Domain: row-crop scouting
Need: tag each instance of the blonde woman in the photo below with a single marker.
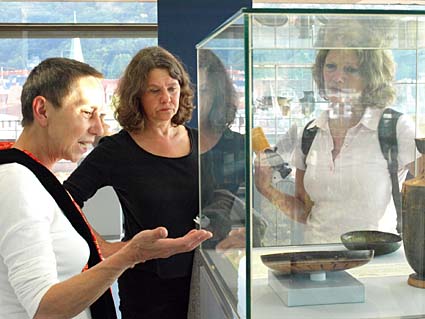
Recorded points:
(343, 182)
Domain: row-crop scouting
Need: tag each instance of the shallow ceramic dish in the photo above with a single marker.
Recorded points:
(316, 261)
(382, 243)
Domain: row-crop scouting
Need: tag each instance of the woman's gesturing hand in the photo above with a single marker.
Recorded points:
(152, 244)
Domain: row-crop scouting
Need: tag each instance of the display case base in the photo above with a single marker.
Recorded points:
(300, 290)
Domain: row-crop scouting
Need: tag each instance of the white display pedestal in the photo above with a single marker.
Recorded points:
(300, 290)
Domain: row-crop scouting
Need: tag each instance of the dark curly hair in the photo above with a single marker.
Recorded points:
(128, 107)
(224, 104)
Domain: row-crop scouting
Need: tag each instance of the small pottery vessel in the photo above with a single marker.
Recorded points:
(413, 217)
(284, 105)
(307, 103)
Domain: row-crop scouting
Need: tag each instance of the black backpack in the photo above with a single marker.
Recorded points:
(387, 134)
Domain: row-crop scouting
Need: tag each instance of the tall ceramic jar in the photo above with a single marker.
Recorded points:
(413, 221)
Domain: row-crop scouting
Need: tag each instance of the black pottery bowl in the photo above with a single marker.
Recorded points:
(381, 242)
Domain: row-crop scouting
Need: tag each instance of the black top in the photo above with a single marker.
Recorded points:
(223, 166)
(153, 191)
(222, 176)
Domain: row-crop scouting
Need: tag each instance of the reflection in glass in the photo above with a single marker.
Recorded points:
(334, 191)
(223, 157)
(222, 171)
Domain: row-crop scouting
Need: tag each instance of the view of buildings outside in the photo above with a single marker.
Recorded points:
(109, 53)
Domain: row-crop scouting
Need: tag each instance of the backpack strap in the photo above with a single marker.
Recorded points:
(387, 134)
(308, 137)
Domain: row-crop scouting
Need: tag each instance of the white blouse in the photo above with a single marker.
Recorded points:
(38, 245)
(352, 192)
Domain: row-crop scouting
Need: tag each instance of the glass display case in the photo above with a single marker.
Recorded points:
(307, 126)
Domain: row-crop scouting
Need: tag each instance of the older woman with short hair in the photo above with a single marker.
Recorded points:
(50, 262)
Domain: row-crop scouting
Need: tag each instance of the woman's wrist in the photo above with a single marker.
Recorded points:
(269, 192)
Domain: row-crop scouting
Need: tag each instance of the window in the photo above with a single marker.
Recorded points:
(105, 35)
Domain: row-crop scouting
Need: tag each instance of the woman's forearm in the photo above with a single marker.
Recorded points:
(290, 205)
(70, 297)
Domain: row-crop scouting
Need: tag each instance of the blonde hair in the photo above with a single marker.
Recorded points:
(377, 70)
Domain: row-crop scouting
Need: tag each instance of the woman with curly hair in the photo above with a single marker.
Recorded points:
(152, 166)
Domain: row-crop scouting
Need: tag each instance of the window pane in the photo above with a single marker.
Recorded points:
(85, 12)
(109, 54)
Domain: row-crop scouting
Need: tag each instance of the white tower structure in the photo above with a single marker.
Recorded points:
(76, 51)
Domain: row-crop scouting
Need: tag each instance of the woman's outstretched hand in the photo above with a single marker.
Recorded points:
(152, 244)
